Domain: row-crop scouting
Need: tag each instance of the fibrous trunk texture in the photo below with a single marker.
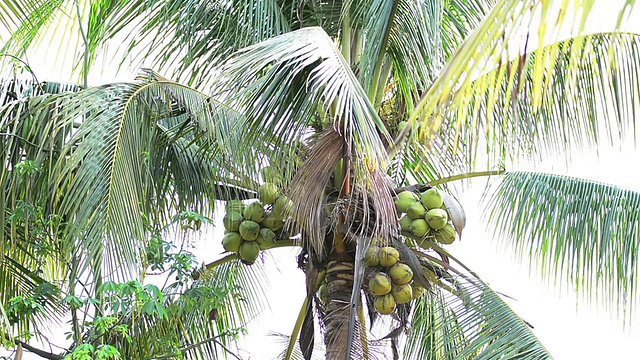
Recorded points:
(339, 285)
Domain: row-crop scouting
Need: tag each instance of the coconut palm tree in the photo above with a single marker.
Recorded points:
(347, 104)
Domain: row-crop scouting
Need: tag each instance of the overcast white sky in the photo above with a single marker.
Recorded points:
(569, 331)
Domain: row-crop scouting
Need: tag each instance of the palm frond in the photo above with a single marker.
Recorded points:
(574, 230)
(286, 82)
(467, 319)
(487, 49)
(590, 97)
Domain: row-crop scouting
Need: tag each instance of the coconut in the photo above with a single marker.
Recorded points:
(248, 252)
(446, 235)
(234, 206)
(372, 256)
(282, 207)
(405, 199)
(268, 193)
(231, 241)
(323, 293)
(436, 218)
(271, 174)
(380, 284)
(254, 212)
(400, 273)
(232, 221)
(266, 239)
(431, 199)
(416, 210)
(271, 222)
(419, 228)
(405, 223)
(249, 230)
(388, 256)
(385, 304)
(417, 290)
(402, 293)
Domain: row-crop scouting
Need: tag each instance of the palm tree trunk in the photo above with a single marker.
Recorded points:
(339, 285)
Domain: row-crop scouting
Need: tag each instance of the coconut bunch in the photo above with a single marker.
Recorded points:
(251, 227)
(390, 280)
(424, 217)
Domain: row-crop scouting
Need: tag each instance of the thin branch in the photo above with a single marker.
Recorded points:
(39, 352)
(425, 187)
(194, 345)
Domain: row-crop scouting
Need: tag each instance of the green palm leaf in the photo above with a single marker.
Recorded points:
(467, 319)
(586, 232)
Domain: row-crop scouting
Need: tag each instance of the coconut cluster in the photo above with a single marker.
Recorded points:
(251, 227)
(425, 217)
(391, 281)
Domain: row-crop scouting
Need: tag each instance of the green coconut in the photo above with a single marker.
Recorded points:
(416, 210)
(231, 241)
(266, 239)
(271, 223)
(405, 223)
(372, 256)
(268, 193)
(400, 273)
(282, 207)
(248, 252)
(436, 218)
(388, 256)
(446, 235)
(249, 230)
(402, 293)
(405, 199)
(254, 212)
(232, 221)
(234, 206)
(419, 228)
(431, 199)
(380, 284)
(385, 304)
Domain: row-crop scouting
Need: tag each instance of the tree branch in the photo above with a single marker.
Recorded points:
(39, 352)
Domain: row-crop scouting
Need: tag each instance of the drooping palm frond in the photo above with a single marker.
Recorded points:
(451, 94)
(590, 97)
(464, 319)
(285, 83)
(586, 232)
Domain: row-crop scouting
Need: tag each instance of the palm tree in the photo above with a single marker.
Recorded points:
(349, 103)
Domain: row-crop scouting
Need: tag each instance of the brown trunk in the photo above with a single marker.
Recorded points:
(339, 285)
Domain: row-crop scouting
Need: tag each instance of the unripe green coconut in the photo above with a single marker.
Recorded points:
(380, 284)
(234, 206)
(400, 273)
(405, 223)
(266, 239)
(416, 210)
(323, 293)
(249, 230)
(388, 256)
(248, 252)
(402, 293)
(419, 228)
(282, 207)
(372, 256)
(431, 199)
(385, 304)
(271, 222)
(405, 199)
(268, 193)
(446, 235)
(254, 212)
(231, 241)
(271, 174)
(417, 290)
(436, 218)
(232, 221)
